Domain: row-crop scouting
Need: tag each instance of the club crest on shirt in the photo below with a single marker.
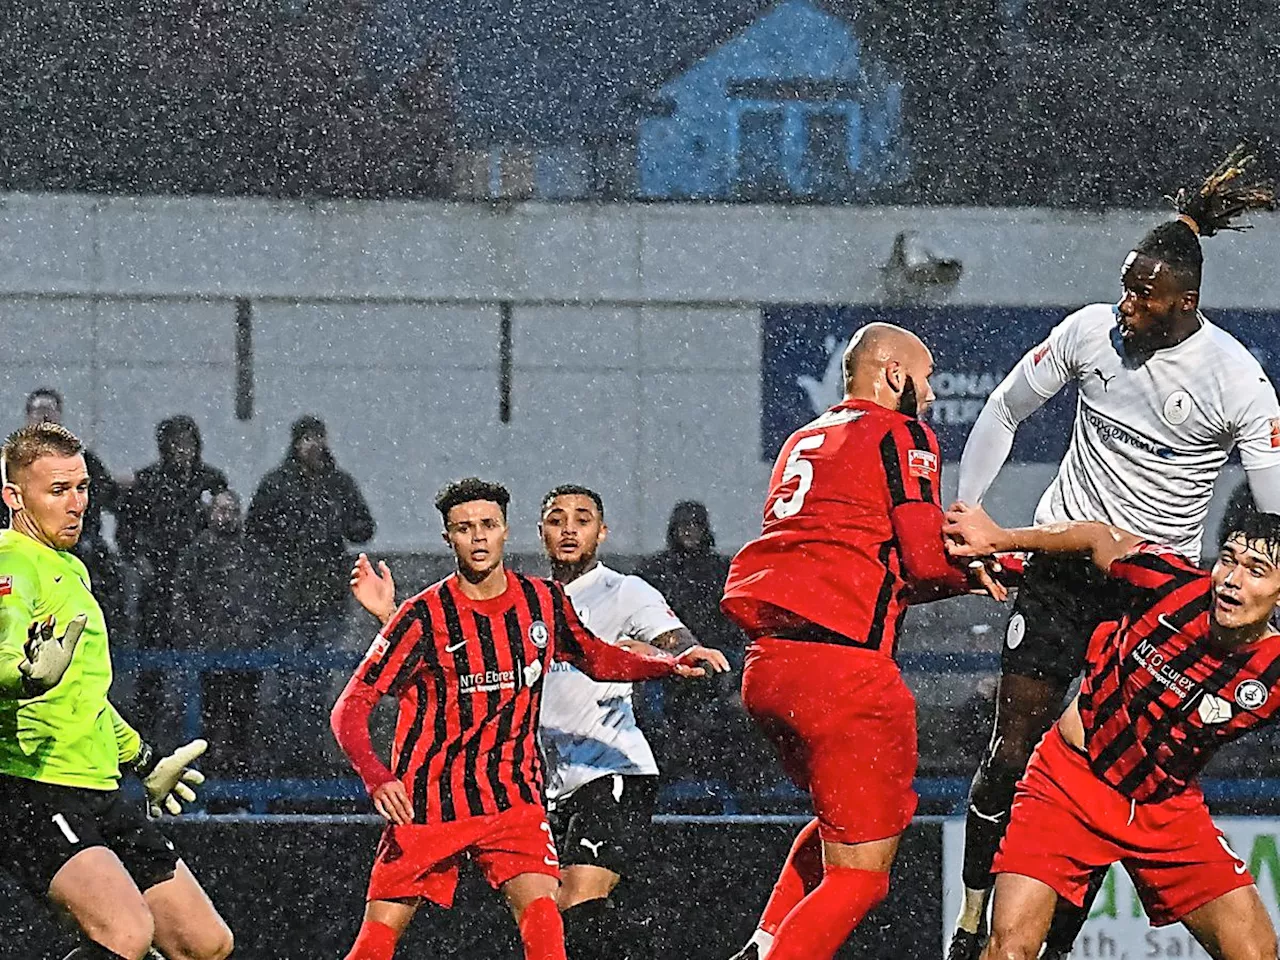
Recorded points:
(1016, 630)
(1251, 694)
(1214, 709)
(6, 585)
(538, 634)
(922, 464)
(1177, 407)
(377, 649)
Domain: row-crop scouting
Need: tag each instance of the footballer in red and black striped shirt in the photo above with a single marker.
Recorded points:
(466, 660)
(852, 532)
(1193, 664)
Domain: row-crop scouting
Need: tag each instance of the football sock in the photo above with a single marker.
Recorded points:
(376, 941)
(823, 920)
(800, 875)
(972, 909)
(588, 930)
(1068, 919)
(542, 931)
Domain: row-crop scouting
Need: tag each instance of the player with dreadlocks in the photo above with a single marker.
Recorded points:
(1164, 395)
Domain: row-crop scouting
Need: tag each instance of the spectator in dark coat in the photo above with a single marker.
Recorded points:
(216, 609)
(705, 734)
(44, 405)
(164, 512)
(300, 521)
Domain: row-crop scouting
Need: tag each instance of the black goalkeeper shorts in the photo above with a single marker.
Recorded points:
(43, 826)
(1060, 603)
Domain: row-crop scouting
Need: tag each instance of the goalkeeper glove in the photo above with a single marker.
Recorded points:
(169, 779)
(46, 657)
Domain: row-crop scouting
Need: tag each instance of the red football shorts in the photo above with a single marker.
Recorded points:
(1066, 823)
(422, 860)
(844, 724)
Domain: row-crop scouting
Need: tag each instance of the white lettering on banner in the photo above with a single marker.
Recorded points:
(1117, 928)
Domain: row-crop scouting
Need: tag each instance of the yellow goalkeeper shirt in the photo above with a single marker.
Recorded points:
(70, 735)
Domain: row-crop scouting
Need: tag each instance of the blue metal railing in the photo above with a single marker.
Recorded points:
(184, 669)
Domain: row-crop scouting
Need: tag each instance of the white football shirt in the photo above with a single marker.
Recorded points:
(1150, 437)
(588, 729)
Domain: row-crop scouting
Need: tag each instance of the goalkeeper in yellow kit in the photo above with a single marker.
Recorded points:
(66, 831)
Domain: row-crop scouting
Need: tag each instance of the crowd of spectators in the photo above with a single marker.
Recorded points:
(184, 567)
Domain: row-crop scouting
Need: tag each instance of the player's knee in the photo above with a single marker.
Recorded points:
(214, 942)
(1263, 947)
(995, 783)
(128, 932)
(1008, 943)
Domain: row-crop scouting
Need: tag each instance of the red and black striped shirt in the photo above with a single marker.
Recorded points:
(1158, 699)
(468, 676)
(853, 504)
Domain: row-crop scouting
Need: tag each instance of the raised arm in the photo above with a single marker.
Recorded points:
(1257, 435)
(1041, 373)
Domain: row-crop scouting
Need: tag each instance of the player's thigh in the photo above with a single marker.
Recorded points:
(606, 823)
(187, 926)
(517, 855)
(580, 882)
(524, 888)
(1020, 916)
(1025, 709)
(1234, 926)
(96, 890)
(1061, 602)
(876, 856)
(396, 914)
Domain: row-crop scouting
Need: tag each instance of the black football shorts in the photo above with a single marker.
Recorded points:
(1059, 604)
(42, 826)
(605, 823)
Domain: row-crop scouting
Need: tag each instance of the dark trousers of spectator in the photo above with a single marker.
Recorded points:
(305, 689)
(231, 723)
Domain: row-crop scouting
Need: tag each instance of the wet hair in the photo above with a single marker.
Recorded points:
(1260, 531)
(1227, 193)
(468, 489)
(171, 430)
(306, 426)
(572, 489)
(690, 513)
(46, 393)
(28, 444)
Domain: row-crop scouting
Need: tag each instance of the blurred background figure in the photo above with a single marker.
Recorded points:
(163, 513)
(45, 405)
(301, 519)
(691, 574)
(216, 609)
(159, 517)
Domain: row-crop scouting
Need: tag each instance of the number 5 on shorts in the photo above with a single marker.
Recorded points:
(797, 467)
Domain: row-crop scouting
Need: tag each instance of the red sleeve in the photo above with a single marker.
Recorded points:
(393, 657)
(912, 467)
(1155, 567)
(918, 529)
(602, 661)
(350, 724)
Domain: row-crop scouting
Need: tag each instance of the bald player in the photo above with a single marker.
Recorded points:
(852, 534)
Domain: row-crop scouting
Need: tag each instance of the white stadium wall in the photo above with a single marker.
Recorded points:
(635, 337)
